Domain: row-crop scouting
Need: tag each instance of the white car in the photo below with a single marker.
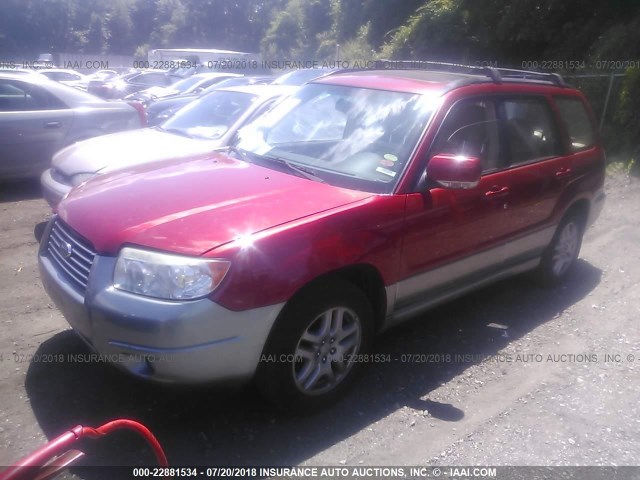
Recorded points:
(193, 84)
(204, 125)
(67, 77)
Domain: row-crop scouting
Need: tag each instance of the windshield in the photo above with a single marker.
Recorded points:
(211, 116)
(353, 137)
(229, 82)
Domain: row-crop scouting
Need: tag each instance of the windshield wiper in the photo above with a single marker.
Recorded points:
(243, 154)
(299, 170)
(295, 168)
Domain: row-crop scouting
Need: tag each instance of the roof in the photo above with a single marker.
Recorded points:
(59, 70)
(27, 78)
(19, 71)
(262, 90)
(421, 81)
(412, 81)
(204, 75)
(71, 96)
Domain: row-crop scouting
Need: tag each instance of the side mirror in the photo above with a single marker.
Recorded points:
(454, 171)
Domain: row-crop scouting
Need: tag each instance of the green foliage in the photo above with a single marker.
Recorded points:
(141, 52)
(286, 36)
(510, 33)
(358, 49)
(623, 168)
(626, 118)
(30, 27)
(436, 28)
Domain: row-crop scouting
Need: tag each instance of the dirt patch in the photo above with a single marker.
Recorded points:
(509, 375)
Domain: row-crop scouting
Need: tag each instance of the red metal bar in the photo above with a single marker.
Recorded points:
(23, 469)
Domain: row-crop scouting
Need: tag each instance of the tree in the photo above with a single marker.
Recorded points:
(285, 37)
(120, 26)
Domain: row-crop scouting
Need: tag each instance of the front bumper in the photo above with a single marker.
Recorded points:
(52, 190)
(166, 341)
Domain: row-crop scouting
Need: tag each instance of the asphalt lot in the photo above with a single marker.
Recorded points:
(513, 374)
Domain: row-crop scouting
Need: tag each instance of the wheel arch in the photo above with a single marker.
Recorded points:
(580, 208)
(363, 276)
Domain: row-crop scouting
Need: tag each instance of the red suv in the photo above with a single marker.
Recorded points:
(362, 200)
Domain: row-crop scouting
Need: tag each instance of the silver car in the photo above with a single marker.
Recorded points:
(38, 117)
(67, 77)
(200, 127)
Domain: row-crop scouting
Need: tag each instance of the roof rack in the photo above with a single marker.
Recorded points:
(497, 75)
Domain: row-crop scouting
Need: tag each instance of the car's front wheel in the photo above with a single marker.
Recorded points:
(316, 347)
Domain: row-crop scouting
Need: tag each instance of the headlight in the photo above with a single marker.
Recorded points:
(81, 178)
(167, 276)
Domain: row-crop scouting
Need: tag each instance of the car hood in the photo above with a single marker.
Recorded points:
(194, 206)
(120, 150)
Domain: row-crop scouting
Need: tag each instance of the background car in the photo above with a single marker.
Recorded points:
(102, 85)
(39, 117)
(208, 123)
(162, 109)
(194, 84)
(18, 71)
(67, 77)
(302, 76)
(102, 75)
(132, 82)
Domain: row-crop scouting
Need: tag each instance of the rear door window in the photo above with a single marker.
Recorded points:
(530, 130)
(575, 117)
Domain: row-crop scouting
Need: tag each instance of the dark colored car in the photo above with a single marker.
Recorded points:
(353, 205)
(162, 109)
(38, 117)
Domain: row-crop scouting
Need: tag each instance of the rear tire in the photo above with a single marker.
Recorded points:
(311, 358)
(561, 254)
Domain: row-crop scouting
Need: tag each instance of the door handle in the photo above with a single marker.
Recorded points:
(52, 125)
(497, 191)
(563, 172)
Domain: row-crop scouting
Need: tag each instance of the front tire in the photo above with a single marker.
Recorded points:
(312, 355)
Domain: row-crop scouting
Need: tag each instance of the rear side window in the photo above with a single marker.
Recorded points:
(577, 121)
(530, 130)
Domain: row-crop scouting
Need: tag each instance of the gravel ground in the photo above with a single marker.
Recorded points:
(510, 375)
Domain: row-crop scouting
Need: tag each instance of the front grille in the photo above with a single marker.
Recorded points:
(71, 254)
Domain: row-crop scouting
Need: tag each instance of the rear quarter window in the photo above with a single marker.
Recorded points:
(577, 121)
